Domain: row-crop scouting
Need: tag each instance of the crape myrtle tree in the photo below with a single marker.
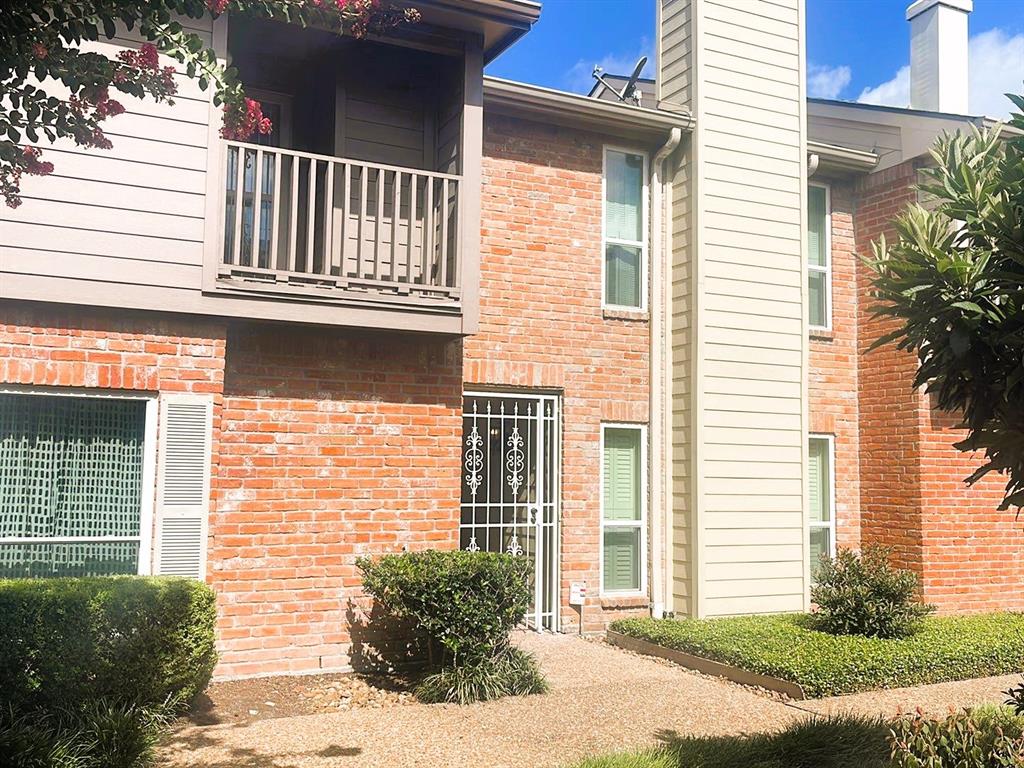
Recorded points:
(53, 85)
(953, 284)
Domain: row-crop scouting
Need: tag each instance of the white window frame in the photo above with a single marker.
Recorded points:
(827, 269)
(831, 479)
(641, 523)
(146, 503)
(642, 243)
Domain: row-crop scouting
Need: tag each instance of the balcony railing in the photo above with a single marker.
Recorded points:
(304, 224)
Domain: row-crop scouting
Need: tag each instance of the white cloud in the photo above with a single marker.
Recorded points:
(891, 93)
(997, 68)
(824, 82)
(579, 78)
(996, 63)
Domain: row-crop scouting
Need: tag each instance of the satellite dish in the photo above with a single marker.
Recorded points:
(629, 92)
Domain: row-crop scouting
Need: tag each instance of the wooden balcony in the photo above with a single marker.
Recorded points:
(327, 228)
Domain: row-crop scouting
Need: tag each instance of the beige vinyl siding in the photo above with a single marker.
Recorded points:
(674, 47)
(129, 216)
(739, 352)
(130, 227)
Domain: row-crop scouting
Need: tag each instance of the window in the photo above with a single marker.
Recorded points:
(823, 526)
(75, 485)
(625, 228)
(819, 256)
(623, 534)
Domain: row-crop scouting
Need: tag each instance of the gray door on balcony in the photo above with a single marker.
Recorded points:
(510, 487)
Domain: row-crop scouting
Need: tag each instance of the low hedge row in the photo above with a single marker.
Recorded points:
(66, 643)
(784, 646)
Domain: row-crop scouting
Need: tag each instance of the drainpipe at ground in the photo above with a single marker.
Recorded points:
(660, 410)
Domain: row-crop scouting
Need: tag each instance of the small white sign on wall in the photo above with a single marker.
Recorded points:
(577, 593)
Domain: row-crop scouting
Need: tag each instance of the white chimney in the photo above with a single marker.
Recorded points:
(938, 55)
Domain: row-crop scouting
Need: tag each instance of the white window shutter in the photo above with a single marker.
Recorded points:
(183, 484)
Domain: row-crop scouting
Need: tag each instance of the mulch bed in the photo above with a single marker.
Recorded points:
(262, 698)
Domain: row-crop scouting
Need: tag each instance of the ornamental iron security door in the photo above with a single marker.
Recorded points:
(510, 487)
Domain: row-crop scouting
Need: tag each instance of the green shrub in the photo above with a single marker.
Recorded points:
(965, 739)
(787, 646)
(1015, 699)
(67, 642)
(862, 594)
(102, 734)
(465, 604)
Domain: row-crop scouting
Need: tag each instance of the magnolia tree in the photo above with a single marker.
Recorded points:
(53, 86)
(953, 281)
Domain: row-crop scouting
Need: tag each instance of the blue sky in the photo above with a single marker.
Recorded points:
(857, 49)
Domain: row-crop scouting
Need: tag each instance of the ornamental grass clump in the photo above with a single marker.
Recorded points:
(862, 594)
(465, 605)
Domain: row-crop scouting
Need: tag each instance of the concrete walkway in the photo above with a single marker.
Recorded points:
(934, 699)
(602, 699)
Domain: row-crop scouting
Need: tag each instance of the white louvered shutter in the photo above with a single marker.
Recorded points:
(183, 484)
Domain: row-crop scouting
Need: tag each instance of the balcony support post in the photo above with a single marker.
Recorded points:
(467, 268)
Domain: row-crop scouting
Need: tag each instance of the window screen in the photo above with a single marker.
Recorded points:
(624, 228)
(70, 485)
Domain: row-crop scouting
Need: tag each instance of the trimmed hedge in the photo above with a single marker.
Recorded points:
(65, 643)
(465, 604)
(785, 646)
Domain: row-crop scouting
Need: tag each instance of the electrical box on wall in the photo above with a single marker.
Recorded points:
(577, 593)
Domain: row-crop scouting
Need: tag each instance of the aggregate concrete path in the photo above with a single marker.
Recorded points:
(601, 700)
(934, 699)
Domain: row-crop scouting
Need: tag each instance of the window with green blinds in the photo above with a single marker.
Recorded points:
(822, 525)
(818, 257)
(70, 485)
(623, 509)
(625, 228)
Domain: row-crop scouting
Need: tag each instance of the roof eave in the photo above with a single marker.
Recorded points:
(836, 158)
(570, 109)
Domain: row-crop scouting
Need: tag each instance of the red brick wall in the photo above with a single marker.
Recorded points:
(973, 553)
(542, 325)
(335, 445)
(832, 384)
(56, 345)
(968, 554)
(890, 440)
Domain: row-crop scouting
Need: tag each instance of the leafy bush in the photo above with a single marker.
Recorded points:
(789, 647)
(862, 594)
(989, 738)
(465, 604)
(839, 741)
(1015, 699)
(102, 734)
(65, 643)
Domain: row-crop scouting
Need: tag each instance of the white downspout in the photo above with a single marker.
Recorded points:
(660, 410)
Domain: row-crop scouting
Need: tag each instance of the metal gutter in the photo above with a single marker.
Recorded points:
(836, 157)
(572, 109)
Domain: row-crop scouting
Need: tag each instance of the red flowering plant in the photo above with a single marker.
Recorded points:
(53, 87)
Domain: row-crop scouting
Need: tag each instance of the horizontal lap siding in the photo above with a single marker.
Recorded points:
(751, 386)
(674, 86)
(130, 218)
